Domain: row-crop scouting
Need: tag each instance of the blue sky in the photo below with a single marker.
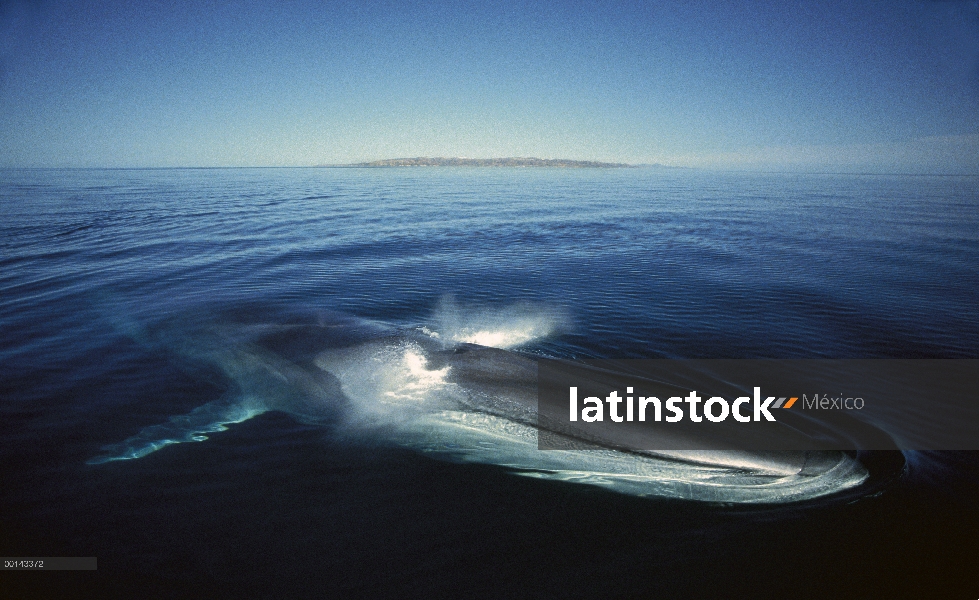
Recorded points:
(807, 85)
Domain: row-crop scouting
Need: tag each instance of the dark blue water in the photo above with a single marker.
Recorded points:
(111, 282)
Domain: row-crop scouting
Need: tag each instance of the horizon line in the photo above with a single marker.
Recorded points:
(363, 165)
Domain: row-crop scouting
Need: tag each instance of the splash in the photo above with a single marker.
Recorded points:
(416, 379)
(509, 327)
(387, 382)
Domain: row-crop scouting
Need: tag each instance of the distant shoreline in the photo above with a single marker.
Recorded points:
(491, 162)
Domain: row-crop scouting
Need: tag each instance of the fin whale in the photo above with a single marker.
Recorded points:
(453, 400)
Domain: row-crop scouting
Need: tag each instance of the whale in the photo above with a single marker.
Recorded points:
(457, 388)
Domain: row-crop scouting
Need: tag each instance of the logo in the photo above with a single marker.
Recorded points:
(638, 408)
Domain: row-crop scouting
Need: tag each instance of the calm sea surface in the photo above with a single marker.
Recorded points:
(102, 271)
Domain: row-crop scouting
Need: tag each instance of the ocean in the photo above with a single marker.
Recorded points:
(164, 408)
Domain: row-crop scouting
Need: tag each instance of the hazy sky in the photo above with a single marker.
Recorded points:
(812, 85)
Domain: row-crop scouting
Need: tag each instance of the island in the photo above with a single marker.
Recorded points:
(490, 162)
